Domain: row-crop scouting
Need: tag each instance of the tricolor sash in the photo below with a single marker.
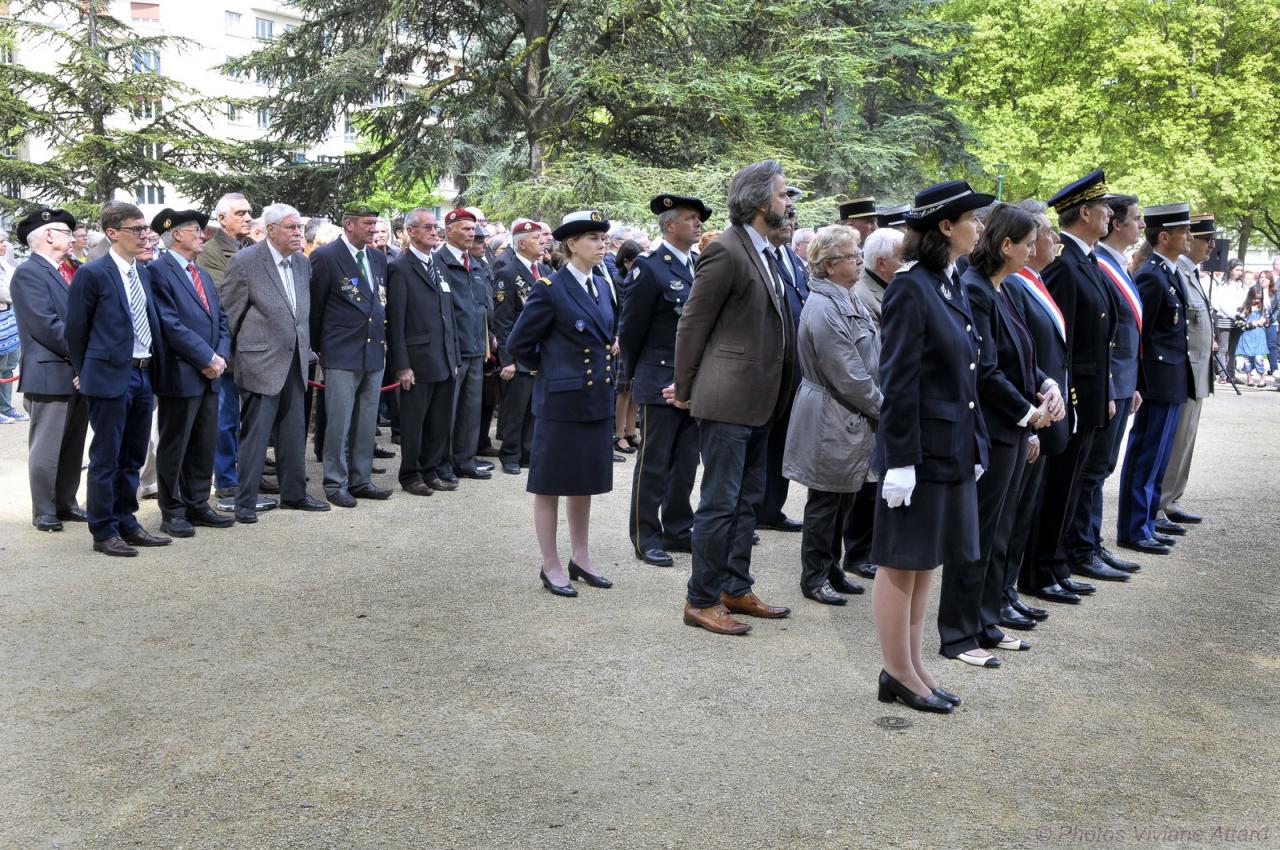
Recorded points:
(1041, 294)
(1120, 277)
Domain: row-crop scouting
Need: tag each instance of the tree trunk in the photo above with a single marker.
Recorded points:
(1246, 230)
(536, 63)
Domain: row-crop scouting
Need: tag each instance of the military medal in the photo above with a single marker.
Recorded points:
(676, 285)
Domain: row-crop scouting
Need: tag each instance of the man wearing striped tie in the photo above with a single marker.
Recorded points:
(113, 336)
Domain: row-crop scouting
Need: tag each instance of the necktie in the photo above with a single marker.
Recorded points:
(138, 309)
(195, 278)
(286, 277)
(466, 262)
(782, 267)
(688, 264)
(67, 271)
(533, 270)
(364, 269)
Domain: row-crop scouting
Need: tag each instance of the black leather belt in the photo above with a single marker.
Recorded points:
(141, 362)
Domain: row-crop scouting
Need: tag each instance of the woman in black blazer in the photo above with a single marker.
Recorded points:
(932, 443)
(1014, 396)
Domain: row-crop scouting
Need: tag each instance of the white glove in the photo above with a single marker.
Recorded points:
(898, 485)
(977, 472)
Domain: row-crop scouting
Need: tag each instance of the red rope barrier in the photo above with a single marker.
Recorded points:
(9, 380)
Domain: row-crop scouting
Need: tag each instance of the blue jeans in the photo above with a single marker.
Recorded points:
(228, 445)
(733, 483)
(1273, 347)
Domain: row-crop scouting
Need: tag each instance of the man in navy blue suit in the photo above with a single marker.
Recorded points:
(113, 336)
(197, 340)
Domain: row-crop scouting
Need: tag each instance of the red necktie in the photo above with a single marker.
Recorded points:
(533, 270)
(195, 278)
(466, 262)
(68, 271)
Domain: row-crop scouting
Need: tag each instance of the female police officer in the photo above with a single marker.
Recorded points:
(565, 331)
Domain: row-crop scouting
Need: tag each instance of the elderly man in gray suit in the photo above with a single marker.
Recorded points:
(266, 297)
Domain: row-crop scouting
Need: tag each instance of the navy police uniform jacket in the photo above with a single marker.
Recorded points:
(191, 335)
(99, 328)
(928, 373)
(1089, 311)
(1008, 378)
(654, 297)
(511, 284)
(348, 320)
(568, 338)
(1165, 370)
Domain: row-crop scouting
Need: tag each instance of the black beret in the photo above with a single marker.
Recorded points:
(168, 219)
(662, 203)
(39, 218)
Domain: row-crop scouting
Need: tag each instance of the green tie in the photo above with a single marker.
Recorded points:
(364, 270)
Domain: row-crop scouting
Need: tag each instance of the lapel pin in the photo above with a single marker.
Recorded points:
(580, 326)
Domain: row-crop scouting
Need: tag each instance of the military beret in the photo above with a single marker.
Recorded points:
(857, 208)
(39, 218)
(168, 219)
(1167, 215)
(1091, 187)
(1204, 225)
(459, 215)
(526, 226)
(583, 221)
(944, 201)
(359, 211)
(662, 203)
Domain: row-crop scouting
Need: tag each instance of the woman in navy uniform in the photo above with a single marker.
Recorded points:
(932, 443)
(565, 331)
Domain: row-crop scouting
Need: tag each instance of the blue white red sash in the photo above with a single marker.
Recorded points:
(1040, 293)
(1120, 277)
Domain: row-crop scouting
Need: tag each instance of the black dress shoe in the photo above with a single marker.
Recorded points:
(488, 451)
(448, 485)
(657, 557)
(210, 519)
(577, 573)
(511, 468)
(891, 689)
(1029, 611)
(1148, 546)
(1115, 562)
(1163, 539)
(826, 595)
(1057, 593)
(114, 546)
(47, 522)
(177, 527)
(1166, 526)
(341, 498)
(377, 470)
(248, 516)
(379, 451)
(782, 524)
(943, 694)
(271, 488)
(306, 503)
(477, 474)
(864, 570)
(1081, 587)
(141, 537)
(371, 491)
(225, 493)
(840, 584)
(417, 487)
(557, 589)
(620, 446)
(1185, 517)
(1099, 570)
(73, 515)
(484, 466)
(1011, 619)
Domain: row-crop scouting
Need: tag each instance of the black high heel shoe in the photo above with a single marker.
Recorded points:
(620, 445)
(891, 688)
(577, 573)
(942, 693)
(557, 589)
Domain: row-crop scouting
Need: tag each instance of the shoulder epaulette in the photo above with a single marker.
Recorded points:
(545, 280)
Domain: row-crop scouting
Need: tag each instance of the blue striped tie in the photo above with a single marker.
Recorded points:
(138, 307)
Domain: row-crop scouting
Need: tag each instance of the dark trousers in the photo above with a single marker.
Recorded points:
(1020, 562)
(662, 484)
(969, 589)
(859, 525)
(224, 456)
(55, 449)
(515, 419)
(260, 416)
(184, 453)
(121, 432)
(467, 392)
(1145, 462)
(490, 400)
(1061, 493)
(1228, 340)
(775, 484)
(389, 407)
(733, 459)
(1084, 531)
(822, 541)
(426, 412)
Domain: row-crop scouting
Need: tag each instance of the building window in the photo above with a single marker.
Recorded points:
(233, 113)
(298, 156)
(149, 193)
(149, 108)
(232, 23)
(145, 13)
(263, 29)
(6, 54)
(264, 118)
(348, 130)
(146, 60)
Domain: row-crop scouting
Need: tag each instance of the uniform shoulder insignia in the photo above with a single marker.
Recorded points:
(500, 296)
(666, 257)
(635, 273)
(907, 266)
(545, 280)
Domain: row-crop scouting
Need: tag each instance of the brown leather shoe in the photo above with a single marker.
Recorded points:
(441, 484)
(114, 546)
(715, 618)
(750, 604)
(141, 537)
(417, 487)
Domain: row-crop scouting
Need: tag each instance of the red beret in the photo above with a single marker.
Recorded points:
(458, 215)
(527, 227)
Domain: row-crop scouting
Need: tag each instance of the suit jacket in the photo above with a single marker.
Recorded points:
(348, 322)
(653, 299)
(420, 330)
(1124, 348)
(1052, 356)
(99, 328)
(191, 335)
(796, 285)
(216, 254)
(268, 339)
(1003, 364)
(1200, 331)
(930, 417)
(40, 305)
(471, 304)
(1165, 373)
(871, 290)
(735, 342)
(568, 338)
(512, 283)
(1090, 313)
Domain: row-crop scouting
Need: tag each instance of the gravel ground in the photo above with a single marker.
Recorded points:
(395, 677)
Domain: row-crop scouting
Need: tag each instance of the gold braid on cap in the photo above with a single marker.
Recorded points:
(1088, 193)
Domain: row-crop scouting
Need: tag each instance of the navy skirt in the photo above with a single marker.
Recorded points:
(940, 526)
(571, 458)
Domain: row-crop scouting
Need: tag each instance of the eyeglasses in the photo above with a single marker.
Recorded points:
(136, 230)
(61, 230)
(293, 228)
